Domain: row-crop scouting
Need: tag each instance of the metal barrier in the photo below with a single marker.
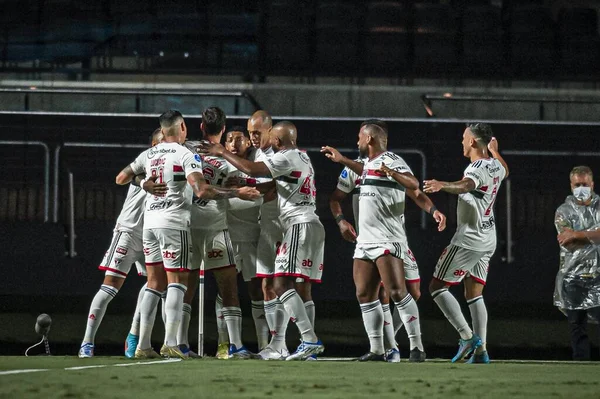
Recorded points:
(46, 168)
(136, 93)
(85, 145)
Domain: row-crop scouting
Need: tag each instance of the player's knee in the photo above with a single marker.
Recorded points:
(435, 285)
(398, 293)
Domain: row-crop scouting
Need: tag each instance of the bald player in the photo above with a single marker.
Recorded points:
(301, 252)
(259, 127)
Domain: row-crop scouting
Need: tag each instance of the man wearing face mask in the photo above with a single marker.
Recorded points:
(577, 289)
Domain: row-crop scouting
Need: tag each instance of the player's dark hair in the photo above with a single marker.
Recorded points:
(376, 124)
(155, 135)
(239, 129)
(481, 131)
(170, 118)
(213, 119)
(581, 170)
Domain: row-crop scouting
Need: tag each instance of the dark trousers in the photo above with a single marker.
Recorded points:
(580, 342)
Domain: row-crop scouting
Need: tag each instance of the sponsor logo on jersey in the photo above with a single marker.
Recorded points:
(343, 183)
(488, 224)
(215, 254)
(367, 194)
(160, 205)
(459, 273)
(169, 255)
(154, 152)
(121, 250)
(344, 174)
(197, 158)
(492, 169)
(307, 263)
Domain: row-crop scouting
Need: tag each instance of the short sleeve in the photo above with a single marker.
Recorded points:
(475, 172)
(138, 165)
(400, 166)
(346, 181)
(191, 163)
(279, 165)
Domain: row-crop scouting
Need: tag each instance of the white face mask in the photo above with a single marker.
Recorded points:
(582, 193)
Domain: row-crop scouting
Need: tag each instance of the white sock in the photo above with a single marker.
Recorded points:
(451, 309)
(233, 318)
(260, 324)
(479, 316)
(221, 325)
(409, 313)
(310, 312)
(97, 309)
(182, 331)
(389, 339)
(163, 314)
(295, 308)
(173, 312)
(280, 319)
(372, 315)
(135, 324)
(397, 320)
(148, 309)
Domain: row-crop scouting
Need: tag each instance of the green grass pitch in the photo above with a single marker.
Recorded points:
(122, 378)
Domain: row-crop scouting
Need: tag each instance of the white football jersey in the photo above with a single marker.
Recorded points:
(131, 218)
(210, 214)
(349, 183)
(381, 202)
(172, 163)
(269, 211)
(296, 192)
(476, 225)
(243, 223)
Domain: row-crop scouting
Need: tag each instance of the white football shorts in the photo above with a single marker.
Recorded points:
(456, 263)
(301, 252)
(169, 248)
(125, 249)
(213, 247)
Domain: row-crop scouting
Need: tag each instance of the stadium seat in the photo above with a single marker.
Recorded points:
(287, 37)
(482, 40)
(578, 39)
(532, 41)
(337, 36)
(386, 38)
(434, 38)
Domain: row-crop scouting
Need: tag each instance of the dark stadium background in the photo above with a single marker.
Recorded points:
(516, 56)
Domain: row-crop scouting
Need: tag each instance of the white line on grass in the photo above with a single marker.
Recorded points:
(21, 371)
(97, 366)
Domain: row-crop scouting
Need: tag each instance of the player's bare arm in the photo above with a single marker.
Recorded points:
(266, 187)
(254, 169)
(125, 176)
(407, 180)
(346, 229)
(336, 156)
(456, 187)
(206, 191)
(493, 148)
(425, 203)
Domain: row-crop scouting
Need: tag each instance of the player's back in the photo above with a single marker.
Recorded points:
(169, 161)
(296, 191)
(475, 210)
(381, 201)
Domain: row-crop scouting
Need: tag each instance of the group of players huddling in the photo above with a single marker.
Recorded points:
(249, 207)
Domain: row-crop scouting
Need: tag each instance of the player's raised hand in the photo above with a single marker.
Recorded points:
(154, 188)
(493, 145)
(248, 193)
(208, 148)
(332, 153)
(431, 186)
(348, 232)
(440, 218)
(385, 169)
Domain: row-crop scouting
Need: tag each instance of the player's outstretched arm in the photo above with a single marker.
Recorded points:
(408, 180)
(206, 191)
(346, 229)
(456, 187)
(336, 156)
(425, 203)
(493, 148)
(254, 169)
(125, 176)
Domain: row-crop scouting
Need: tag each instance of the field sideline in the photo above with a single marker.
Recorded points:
(117, 377)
